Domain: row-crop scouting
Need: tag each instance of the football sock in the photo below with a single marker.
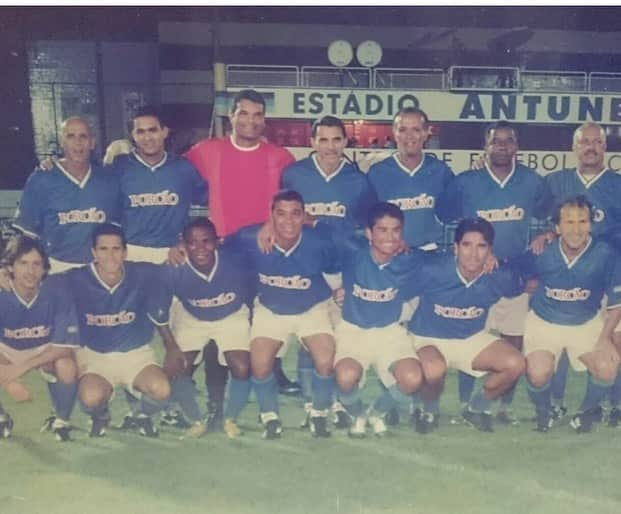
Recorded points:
(323, 389)
(184, 393)
(150, 406)
(615, 392)
(559, 379)
(266, 392)
(390, 398)
(432, 406)
(540, 396)
(351, 401)
(596, 391)
(279, 373)
(133, 401)
(216, 376)
(466, 386)
(239, 391)
(479, 403)
(63, 397)
(507, 397)
(305, 371)
(99, 412)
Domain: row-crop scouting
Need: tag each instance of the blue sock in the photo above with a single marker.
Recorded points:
(479, 403)
(239, 391)
(507, 397)
(266, 392)
(352, 402)
(63, 397)
(466, 386)
(615, 392)
(133, 401)
(559, 380)
(596, 391)
(432, 406)
(390, 398)
(148, 406)
(416, 399)
(306, 368)
(184, 393)
(540, 396)
(99, 412)
(323, 389)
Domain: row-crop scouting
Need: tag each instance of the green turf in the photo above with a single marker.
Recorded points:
(455, 469)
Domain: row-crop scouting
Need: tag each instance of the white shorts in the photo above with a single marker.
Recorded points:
(137, 253)
(57, 266)
(314, 321)
(508, 315)
(458, 353)
(377, 347)
(116, 367)
(553, 338)
(192, 334)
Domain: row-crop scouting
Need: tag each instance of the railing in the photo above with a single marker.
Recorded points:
(554, 81)
(602, 82)
(262, 76)
(332, 77)
(407, 78)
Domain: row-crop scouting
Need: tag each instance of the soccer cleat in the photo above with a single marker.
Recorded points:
(506, 417)
(6, 425)
(307, 415)
(358, 428)
(99, 426)
(196, 430)
(598, 415)
(288, 387)
(145, 426)
(231, 429)
(558, 412)
(272, 425)
(614, 417)
(582, 422)
(392, 417)
(341, 418)
(128, 423)
(62, 430)
(175, 419)
(427, 422)
(482, 421)
(414, 416)
(378, 425)
(48, 423)
(544, 421)
(319, 424)
(215, 417)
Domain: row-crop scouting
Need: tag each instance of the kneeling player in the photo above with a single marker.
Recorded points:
(211, 291)
(369, 333)
(38, 330)
(449, 325)
(113, 299)
(574, 273)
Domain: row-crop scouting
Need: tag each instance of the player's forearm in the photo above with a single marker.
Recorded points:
(168, 339)
(613, 316)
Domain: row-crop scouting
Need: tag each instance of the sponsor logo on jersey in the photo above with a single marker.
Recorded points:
(567, 295)
(217, 301)
(110, 320)
(92, 215)
(295, 282)
(512, 213)
(154, 199)
(375, 295)
(37, 332)
(335, 209)
(458, 312)
(422, 201)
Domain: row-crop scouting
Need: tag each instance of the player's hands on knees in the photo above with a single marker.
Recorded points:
(339, 296)
(174, 362)
(539, 243)
(10, 373)
(177, 255)
(266, 238)
(607, 350)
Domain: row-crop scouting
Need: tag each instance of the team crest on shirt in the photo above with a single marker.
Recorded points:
(422, 201)
(37, 332)
(458, 312)
(294, 282)
(92, 215)
(512, 213)
(154, 199)
(335, 209)
(110, 320)
(375, 295)
(567, 295)
(217, 301)
(598, 215)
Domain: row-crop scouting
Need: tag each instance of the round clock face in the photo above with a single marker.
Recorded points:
(369, 53)
(340, 53)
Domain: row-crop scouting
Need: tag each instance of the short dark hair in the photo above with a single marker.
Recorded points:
(328, 121)
(201, 222)
(500, 125)
(381, 210)
(580, 201)
(287, 195)
(108, 229)
(21, 245)
(479, 225)
(247, 94)
(405, 111)
(151, 111)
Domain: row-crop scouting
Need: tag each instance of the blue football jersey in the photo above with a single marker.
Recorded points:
(50, 317)
(570, 293)
(156, 199)
(508, 205)
(115, 319)
(415, 192)
(63, 211)
(207, 297)
(341, 199)
(290, 281)
(452, 307)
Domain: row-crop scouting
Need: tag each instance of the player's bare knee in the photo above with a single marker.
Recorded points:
(515, 364)
(158, 388)
(603, 370)
(410, 381)
(324, 366)
(434, 371)
(347, 377)
(66, 370)
(92, 396)
(240, 369)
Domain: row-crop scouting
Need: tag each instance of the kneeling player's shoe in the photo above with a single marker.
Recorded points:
(145, 426)
(289, 388)
(614, 417)
(129, 422)
(582, 422)
(358, 428)
(506, 417)
(231, 429)
(196, 430)
(544, 421)
(272, 424)
(99, 424)
(215, 418)
(426, 422)
(482, 421)
(558, 412)
(392, 417)
(341, 418)
(62, 430)
(598, 415)
(175, 419)
(319, 424)
(415, 416)
(378, 424)
(6, 425)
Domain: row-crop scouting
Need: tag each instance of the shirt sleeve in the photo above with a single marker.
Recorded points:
(450, 203)
(160, 293)
(29, 214)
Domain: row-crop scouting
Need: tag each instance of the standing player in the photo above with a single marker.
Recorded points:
(38, 330)
(508, 195)
(62, 206)
(113, 299)
(370, 333)
(574, 273)
(449, 325)
(292, 298)
(211, 289)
